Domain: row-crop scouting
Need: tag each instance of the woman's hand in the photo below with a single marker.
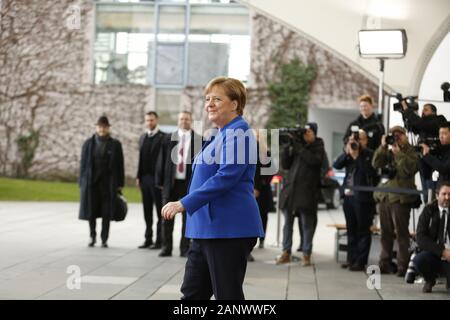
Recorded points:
(169, 211)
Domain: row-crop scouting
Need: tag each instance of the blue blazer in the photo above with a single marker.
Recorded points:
(220, 202)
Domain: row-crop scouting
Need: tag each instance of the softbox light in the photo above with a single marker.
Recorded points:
(387, 44)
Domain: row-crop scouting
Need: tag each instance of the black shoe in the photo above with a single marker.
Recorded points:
(92, 243)
(250, 258)
(299, 249)
(145, 245)
(344, 265)
(155, 246)
(401, 273)
(183, 254)
(357, 267)
(428, 286)
(384, 268)
(165, 254)
(104, 245)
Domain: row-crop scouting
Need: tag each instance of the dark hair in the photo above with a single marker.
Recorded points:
(152, 113)
(445, 125)
(442, 184)
(432, 107)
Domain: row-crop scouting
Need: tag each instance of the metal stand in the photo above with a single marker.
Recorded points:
(278, 214)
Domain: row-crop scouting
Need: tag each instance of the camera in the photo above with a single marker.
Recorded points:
(287, 134)
(391, 139)
(446, 88)
(355, 135)
(388, 172)
(410, 102)
(432, 142)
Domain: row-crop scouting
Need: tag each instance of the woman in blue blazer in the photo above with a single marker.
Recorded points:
(223, 219)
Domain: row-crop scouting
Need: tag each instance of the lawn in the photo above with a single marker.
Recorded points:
(34, 190)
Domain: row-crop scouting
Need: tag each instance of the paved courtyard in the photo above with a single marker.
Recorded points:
(43, 247)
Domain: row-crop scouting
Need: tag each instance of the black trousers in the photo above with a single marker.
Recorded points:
(358, 218)
(151, 195)
(101, 205)
(216, 266)
(431, 267)
(179, 191)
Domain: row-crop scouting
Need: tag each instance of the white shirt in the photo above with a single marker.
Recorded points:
(186, 152)
(152, 132)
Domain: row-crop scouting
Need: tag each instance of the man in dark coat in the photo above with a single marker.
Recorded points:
(150, 145)
(178, 153)
(101, 177)
(300, 194)
(433, 232)
(367, 121)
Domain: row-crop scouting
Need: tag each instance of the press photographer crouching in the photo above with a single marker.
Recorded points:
(398, 162)
(302, 156)
(427, 128)
(439, 161)
(433, 230)
(359, 206)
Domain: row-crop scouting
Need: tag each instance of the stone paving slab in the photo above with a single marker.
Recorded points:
(40, 241)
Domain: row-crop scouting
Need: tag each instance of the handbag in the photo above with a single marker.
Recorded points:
(120, 208)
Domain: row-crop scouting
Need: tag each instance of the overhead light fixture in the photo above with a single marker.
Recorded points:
(382, 43)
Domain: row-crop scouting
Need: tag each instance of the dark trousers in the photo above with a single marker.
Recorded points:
(358, 218)
(179, 191)
(151, 195)
(431, 267)
(307, 227)
(263, 215)
(216, 266)
(394, 220)
(101, 206)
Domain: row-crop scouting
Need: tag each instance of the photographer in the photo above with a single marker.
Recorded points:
(427, 127)
(303, 158)
(359, 206)
(441, 161)
(399, 166)
(367, 121)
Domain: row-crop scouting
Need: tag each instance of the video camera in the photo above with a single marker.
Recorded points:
(288, 134)
(410, 102)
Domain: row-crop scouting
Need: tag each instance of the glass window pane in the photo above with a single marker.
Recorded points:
(169, 64)
(172, 19)
(132, 17)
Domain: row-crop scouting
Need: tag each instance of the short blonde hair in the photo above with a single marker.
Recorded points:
(234, 89)
(365, 98)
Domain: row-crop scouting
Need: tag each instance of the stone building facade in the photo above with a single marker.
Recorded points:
(46, 88)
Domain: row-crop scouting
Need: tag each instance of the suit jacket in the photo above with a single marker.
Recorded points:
(428, 229)
(156, 149)
(169, 168)
(220, 202)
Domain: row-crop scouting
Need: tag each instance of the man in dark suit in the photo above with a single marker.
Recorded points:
(101, 177)
(150, 146)
(433, 230)
(179, 151)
